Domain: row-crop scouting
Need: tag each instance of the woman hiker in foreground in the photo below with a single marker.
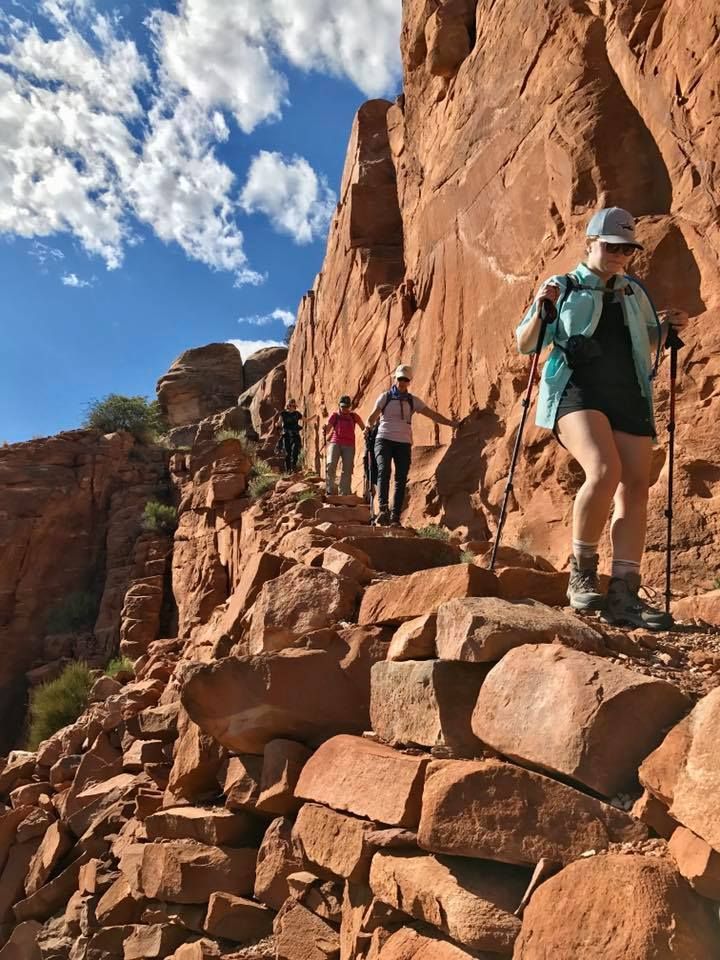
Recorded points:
(393, 444)
(596, 396)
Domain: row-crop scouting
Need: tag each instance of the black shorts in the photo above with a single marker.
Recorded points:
(627, 410)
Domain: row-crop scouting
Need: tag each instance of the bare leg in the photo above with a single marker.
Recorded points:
(629, 521)
(588, 437)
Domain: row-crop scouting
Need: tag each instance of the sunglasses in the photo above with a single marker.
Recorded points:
(344, 406)
(625, 248)
(403, 379)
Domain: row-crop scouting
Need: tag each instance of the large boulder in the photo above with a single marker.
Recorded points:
(185, 871)
(260, 363)
(244, 702)
(472, 901)
(404, 598)
(426, 703)
(684, 771)
(483, 629)
(408, 944)
(618, 906)
(201, 382)
(297, 602)
(497, 811)
(366, 779)
(403, 555)
(575, 715)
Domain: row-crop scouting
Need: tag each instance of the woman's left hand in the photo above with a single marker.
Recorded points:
(676, 318)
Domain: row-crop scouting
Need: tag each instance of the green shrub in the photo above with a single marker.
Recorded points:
(56, 704)
(262, 478)
(433, 532)
(467, 556)
(139, 416)
(78, 611)
(159, 517)
(119, 665)
(306, 495)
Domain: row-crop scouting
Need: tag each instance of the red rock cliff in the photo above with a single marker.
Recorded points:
(516, 121)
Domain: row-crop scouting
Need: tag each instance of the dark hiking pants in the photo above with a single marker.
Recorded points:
(293, 445)
(398, 455)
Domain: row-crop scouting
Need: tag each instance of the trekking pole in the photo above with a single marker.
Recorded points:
(547, 315)
(674, 343)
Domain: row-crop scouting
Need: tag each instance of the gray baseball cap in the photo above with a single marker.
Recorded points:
(613, 225)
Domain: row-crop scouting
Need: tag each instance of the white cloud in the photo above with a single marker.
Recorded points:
(96, 136)
(62, 10)
(264, 320)
(183, 191)
(290, 194)
(43, 253)
(73, 280)
(248, 347)
(214, 51)
(224, 52)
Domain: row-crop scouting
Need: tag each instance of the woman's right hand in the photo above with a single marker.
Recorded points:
(548, 291)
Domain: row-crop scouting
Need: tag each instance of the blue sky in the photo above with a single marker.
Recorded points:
(171, 171)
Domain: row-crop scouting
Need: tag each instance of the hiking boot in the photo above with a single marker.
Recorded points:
(624, 606)
(583, 590)
(383, 518)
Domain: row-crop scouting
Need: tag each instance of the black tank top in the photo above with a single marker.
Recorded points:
(615, 369)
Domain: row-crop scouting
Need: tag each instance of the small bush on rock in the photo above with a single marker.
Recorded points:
(306, 495)
(139, 416)
(467, 556)
(433, 532)
(77, 611)
(56, 704)
(159, 517)
(119, 665)
(262, 478)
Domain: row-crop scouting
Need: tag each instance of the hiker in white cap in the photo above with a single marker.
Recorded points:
(596, 395)
(393, 443)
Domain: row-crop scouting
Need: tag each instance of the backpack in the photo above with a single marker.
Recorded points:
(571, 285)
(372, 434)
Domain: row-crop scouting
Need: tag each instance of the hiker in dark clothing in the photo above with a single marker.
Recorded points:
(288, 420)
(394, 410)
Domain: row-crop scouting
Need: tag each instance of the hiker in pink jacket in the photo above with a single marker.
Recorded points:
(340, 434)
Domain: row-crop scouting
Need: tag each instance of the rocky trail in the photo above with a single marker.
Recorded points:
(368, 750)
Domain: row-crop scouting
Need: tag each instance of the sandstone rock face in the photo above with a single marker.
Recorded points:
(366, 779)
(697, 862)
(297, 602)
(404, 598)
(401, 556)
(684, 771)
(244, 702)
(583, 913)
(493, 158)
(260, 363)
(426, 703)
(334, 843)
(78, 496)
(473, 902)
(483, 629)
(408, 944)
(201, 382)
(185, 871)
(572, 714)
(497, 811)
(414, 639)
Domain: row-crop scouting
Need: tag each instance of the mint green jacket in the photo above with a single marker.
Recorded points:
(580, 313)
